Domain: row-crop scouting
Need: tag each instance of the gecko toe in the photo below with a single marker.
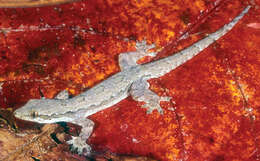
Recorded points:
(79, 146)
(152, 105)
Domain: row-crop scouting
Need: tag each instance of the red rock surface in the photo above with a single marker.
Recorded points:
(74, 46)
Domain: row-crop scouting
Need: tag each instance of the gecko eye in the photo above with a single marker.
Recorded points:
(34, 114)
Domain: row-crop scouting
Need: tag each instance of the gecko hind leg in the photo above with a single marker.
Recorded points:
(129, 59)
(140, 92)
(79, 142)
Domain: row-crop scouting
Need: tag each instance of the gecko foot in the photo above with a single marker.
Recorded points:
(129, 59)
(140, 92)
(80, 146)
(153, 103)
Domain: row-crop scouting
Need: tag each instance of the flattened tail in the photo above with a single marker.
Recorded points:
(162, 66)
(219, 33)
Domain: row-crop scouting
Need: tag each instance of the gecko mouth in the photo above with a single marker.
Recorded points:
(17, 114)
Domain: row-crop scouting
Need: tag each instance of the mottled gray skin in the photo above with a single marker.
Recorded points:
(97, 98)
(130, 81)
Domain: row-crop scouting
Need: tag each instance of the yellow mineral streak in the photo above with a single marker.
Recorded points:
(30, 3)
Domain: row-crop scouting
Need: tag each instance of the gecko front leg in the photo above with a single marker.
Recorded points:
(140, 92)
(79, 142)
(140, 89)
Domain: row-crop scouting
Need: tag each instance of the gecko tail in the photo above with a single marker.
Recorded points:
(221, 32)
(197, 47)
(162, 66)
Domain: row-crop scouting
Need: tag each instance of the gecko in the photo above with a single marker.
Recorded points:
(130, 81)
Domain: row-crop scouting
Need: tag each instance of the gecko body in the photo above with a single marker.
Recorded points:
(130, 81)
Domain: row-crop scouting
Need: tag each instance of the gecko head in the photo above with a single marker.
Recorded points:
(35, 110)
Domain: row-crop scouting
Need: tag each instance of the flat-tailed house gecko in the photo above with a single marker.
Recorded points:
(132, 80)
